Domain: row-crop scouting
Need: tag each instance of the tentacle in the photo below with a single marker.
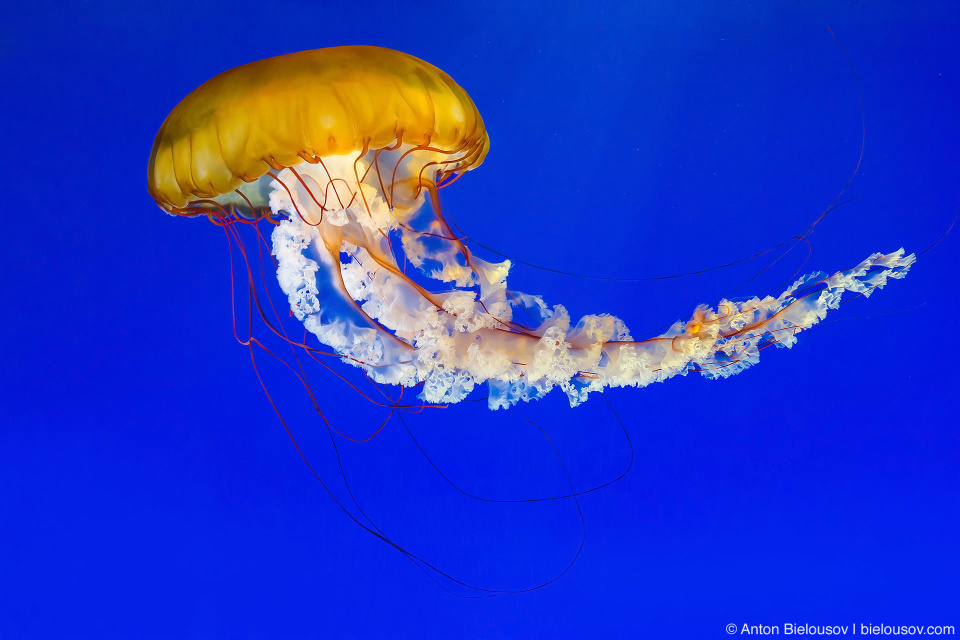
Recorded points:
(338, 266)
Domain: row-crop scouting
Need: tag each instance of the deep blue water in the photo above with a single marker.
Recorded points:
(148, 489)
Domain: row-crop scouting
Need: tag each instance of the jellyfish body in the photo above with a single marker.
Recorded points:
(344, 151)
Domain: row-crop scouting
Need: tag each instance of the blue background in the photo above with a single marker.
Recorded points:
(148, 489)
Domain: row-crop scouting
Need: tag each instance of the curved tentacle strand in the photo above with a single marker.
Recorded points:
(464, 334)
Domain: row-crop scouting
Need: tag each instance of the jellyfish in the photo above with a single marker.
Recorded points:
(342, 153)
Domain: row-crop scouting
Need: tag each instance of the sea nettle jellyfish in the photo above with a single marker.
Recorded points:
(343, 150)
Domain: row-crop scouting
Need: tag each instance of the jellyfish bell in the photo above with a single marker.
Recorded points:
(282, 112)
(343, 152)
